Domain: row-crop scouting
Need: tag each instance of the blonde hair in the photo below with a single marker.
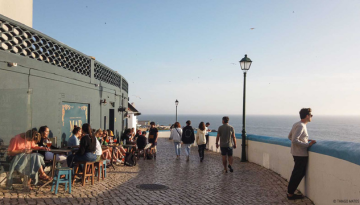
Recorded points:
(32, 135)
(97, 132)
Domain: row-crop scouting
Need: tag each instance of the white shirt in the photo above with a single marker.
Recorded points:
(98, 150)
(299, 139)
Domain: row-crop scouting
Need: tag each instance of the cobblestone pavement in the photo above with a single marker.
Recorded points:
(189, 183)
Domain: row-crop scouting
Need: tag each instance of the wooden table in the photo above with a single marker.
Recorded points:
(55, 151)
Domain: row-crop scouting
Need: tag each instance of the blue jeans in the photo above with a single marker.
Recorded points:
(177, 148)
(187, 149)
(87, 157)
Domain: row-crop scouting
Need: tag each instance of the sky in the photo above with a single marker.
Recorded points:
(304, 53)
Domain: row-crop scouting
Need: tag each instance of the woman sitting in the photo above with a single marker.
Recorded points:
(86, 149)
(20, 148)
(106, 154)
(44, 133)
(74, 140)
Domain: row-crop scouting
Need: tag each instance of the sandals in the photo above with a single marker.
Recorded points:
(45, 178)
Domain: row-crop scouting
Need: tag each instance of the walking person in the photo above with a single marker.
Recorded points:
(300, 143)
(175, 135)
(207, 135)
(226, 134)
(188, 138)
(153, 136)
(200, 139)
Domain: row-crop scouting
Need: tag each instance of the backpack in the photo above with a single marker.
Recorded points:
(130, 160)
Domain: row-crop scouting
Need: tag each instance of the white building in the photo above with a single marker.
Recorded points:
(132, 119)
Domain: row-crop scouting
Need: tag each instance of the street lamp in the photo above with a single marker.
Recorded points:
(176, 103)
(245, 64)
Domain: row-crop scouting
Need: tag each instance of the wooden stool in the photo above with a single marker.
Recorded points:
(100, 169)
(89, 171)
(57, 180)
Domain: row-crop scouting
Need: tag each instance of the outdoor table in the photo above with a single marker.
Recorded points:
(55, 151)
(112, 153)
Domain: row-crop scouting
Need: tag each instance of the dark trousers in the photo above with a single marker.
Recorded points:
(298, 173)
(207, 141)
(201, 150)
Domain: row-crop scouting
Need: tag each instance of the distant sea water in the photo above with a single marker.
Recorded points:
(339, 128)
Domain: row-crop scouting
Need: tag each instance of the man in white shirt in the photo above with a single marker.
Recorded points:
(207, 135)
(299, 149)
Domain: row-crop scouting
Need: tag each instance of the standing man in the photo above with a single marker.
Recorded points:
(153, 136)
(207, 135)
(188, 138)
(226, 134)
(299, 149)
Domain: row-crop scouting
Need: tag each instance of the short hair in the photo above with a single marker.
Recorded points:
(143, 132)
(177, 125)
(304, 112)
(226, 119)
(208, 123)
(152, 123)
(188, 122)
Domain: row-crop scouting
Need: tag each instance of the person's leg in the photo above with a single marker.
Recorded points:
(177, 148)
(203, 151)
(224, 157)
(297, 174)
(199, 150)
(187, 149)
(224, 161)
(69, 160)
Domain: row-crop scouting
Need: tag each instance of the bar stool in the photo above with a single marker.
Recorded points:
(89, 171)
(100, 169)
(57, 180)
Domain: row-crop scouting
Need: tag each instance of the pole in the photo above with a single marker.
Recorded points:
(176, 114)
(243, 135)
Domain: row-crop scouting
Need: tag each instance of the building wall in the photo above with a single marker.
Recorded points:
(19, 10)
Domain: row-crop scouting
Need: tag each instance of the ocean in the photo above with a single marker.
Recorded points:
(338, 128)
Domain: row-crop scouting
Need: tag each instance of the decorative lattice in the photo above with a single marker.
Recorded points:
(20, 40)
(106, 75)
(125, 85)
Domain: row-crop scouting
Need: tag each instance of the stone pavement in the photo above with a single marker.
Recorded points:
(189, 183)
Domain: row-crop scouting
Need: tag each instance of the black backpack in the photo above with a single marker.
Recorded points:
(130, 160)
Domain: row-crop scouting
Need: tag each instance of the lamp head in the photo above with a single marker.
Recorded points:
(245, 63)
(176, 102)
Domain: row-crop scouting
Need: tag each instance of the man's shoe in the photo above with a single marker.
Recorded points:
(231, 169)
(201, 159)
(295, 196)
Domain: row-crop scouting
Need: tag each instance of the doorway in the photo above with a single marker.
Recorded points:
(111, 120)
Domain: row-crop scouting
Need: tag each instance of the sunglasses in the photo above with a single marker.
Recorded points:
(311, 115)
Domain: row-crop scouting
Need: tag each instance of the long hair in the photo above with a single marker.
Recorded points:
(98, 132)
(202, 126)
(42, 130)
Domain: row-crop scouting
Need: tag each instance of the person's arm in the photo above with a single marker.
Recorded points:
(234, 138)
(156, 135)
(83, 145)
(197, 137)
(217, 140)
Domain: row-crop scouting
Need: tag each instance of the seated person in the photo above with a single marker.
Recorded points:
(74, 140)
(126, 137)
(87, 147)
(44, 133)
(138, 133)
(98, 150)
(141, 141)
(20, 148)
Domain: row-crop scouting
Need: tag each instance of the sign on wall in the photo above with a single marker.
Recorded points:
(73, 114)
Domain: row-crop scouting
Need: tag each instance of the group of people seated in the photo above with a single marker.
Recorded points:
(86, 141)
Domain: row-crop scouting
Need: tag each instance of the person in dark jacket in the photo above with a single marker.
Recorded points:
(87, 148)
(188, 138)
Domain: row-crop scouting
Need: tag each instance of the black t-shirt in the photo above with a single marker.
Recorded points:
(153, 135)
(141, 142)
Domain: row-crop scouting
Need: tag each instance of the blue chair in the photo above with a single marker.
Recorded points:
(57, 180)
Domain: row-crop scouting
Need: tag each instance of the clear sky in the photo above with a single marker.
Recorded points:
(304, 53)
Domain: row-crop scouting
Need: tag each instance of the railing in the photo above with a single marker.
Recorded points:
(22, 40)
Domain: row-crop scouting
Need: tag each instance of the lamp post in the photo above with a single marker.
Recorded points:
(176, 103)
(245, 64)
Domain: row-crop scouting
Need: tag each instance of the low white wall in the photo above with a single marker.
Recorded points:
(329, 180)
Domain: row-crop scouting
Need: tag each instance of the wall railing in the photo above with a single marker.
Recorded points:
(22, 40)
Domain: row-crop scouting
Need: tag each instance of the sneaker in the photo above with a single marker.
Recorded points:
(231, 169)
(119, 161)
(295, 196)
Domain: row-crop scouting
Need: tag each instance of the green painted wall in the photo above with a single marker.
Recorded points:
(33, 92)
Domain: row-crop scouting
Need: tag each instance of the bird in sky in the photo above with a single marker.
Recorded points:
(137, 96)
(252, 28)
